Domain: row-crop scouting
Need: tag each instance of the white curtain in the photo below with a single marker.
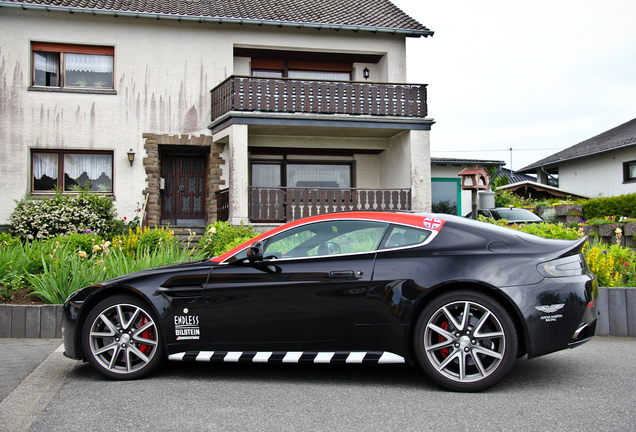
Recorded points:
(89, 63)
(264, 175)
(44, 164)
(267, 74)
(45, 61)
(93, 165)
(317, 75)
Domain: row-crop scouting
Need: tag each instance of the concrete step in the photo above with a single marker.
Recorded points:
(188, 234)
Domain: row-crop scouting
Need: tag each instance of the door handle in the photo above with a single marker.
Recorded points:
(341, 273)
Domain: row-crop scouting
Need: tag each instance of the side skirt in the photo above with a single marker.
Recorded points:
(353, 357)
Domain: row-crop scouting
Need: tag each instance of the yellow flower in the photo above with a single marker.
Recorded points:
(82, 254)
(95, 248)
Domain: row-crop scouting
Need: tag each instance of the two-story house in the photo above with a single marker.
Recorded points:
(197, 110)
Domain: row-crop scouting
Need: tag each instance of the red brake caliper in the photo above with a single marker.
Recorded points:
(440, 338)
(147, 334)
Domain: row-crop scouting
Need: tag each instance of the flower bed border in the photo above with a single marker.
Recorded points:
(30, 321)
(617, 317)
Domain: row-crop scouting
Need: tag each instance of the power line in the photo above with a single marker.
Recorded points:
(492, 150)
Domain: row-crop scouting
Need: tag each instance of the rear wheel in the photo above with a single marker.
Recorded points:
(465, 341)
(122, 339)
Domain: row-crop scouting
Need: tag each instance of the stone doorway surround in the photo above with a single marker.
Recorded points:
(152, 166)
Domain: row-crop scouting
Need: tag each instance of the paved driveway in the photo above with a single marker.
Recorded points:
(591, 388)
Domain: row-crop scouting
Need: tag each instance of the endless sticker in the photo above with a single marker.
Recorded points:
(186, 327)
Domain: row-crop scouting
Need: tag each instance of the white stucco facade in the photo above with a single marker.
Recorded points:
(163, 73)
(598, 175)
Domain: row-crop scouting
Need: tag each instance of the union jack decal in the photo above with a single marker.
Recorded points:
(433, 223)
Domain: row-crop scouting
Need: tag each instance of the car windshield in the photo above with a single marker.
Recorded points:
(518, 214)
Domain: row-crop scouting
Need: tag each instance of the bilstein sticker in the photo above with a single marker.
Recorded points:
(186, 327)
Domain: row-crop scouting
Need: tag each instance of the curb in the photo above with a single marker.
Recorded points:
(30, 321)
(617, 309)
(617, 317)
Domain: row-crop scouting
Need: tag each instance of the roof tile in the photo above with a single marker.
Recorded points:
(618, 137)
(360, 13)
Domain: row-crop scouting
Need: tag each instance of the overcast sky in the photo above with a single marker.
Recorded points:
(536, 76)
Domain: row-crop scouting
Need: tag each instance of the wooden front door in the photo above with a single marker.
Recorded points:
(183, 196)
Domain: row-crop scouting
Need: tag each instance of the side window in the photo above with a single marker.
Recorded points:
(327, 238)
(405, 236)
(72, 66)
(69, 170)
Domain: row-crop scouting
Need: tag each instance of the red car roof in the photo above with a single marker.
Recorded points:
(416, 220)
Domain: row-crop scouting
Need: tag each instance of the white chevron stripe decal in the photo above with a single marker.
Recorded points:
(352, 357)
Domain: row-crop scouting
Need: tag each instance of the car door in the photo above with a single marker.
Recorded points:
(311, 286)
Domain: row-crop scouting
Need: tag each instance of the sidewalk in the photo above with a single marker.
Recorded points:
(19, 357)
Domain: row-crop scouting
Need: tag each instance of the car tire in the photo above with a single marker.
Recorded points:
(469, 354)
(121, 338)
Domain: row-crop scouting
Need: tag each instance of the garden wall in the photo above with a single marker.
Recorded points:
(571, 213)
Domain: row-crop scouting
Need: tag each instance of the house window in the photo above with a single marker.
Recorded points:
(446, 196)
(307, 175)
(629, 171)
(69, 170)
(314, 70)
(72, 66)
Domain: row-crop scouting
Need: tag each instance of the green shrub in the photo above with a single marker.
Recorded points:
(220, 237)
(551, 231)
(549, 215)
(36, 218)
(7, 240)
(599, 208)
(506, 198)
(149, 239)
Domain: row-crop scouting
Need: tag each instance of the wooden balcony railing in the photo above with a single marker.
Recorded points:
(292, 95)
(286, 204)
(223, 205)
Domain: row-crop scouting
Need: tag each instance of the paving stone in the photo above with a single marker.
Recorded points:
(630, 302)
(5, 321)
(32, 321)
(18, 321)
(618, 308)
(48, 321)
(602, 325)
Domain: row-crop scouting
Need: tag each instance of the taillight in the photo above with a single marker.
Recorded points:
(573, 265)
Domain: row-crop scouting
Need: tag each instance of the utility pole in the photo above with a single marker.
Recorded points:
(511, 170)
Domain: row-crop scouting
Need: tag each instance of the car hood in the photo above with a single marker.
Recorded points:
(170, 268)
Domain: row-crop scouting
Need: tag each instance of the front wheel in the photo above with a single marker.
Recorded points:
(465, 341)
(122, 339)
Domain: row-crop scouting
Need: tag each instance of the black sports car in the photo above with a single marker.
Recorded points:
(463, 299)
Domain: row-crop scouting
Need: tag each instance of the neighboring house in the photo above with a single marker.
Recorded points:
(603, 165)
(239, 110)
(447, 195)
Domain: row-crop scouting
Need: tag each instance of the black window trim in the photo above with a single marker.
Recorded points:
(626, 177)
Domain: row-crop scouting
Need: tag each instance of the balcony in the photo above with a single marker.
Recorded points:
(290, 95)
(279, 205)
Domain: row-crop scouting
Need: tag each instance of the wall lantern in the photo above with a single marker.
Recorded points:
(131, 156)
(365, 73)
(474, 179)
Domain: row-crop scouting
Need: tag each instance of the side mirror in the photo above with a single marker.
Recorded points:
(255, 252)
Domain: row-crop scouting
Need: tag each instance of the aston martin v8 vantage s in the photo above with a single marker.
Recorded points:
(461, 298)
